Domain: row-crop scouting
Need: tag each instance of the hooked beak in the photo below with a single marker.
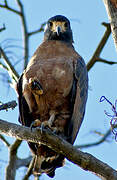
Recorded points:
(58, 30)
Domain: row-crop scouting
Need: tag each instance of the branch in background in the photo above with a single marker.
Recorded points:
(4, 140)
(25, 32)
(111, 8)
(85, 160)
(11, 70)
(100, 47)
(38, 30)
(106, 62)
(103, 139)
(3, 28)
(23, 162)
(6, 106)
(6, 6)
(12, 164)
(29, 171)
(3, 66)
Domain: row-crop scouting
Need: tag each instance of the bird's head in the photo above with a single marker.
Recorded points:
(58, 28)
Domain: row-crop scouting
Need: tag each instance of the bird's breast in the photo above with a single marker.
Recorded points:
(55, 75)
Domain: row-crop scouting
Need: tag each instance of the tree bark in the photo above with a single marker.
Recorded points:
(111, 8)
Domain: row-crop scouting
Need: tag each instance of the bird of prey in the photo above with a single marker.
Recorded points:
(52, 92)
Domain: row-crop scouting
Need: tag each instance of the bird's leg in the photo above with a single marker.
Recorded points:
(49, 123)
(44, 124)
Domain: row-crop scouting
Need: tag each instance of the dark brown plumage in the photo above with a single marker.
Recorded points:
(53, 91)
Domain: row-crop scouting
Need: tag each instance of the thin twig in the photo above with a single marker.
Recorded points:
(4, 140)
(12, 164)
(11, 70)
(38, 30)
(3, 66)
(29, 171)
(100, 47)
(105, 61)
(25, 32)
(10, 9)
(3, 28)
(109, 131)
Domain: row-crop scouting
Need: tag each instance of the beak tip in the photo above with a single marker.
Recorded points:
(58, 30)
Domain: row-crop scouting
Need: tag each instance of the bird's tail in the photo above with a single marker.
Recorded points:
(46, 165)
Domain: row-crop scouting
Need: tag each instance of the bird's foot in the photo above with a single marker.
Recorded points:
(35, 86)
(35, 123)
(45, 124)
(49, 123)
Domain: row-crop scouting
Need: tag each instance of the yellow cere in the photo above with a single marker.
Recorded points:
(55, 24)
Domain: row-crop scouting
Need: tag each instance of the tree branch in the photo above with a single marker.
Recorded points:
(3, 66)
(38, 30)
(29, 171)
(10, 9)
(4, 140)
(84, 160)
(11, 104)
(11, 70)
(12, 164)
(25, 32)
(23, 162)
(111, 8)
(105, 61)
(101, 140)
(100, 47)
(3, 28)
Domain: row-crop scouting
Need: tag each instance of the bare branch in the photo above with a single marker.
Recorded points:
(111, 8)
(23, 162)
(3, 28)
(4, 140)
(3, 66)
(84, 160)
(29, 171)
(38, 30)
(14, 147)
(11, 70)
(9, 8)
(105, 61)
(103, 139)
(100, 47)
(11, 104)
(25, 32)
(12, 164)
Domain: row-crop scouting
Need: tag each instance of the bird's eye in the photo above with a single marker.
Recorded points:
(66, 24)
(50, 24)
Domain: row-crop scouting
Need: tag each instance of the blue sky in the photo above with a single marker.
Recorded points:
(86, 18)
